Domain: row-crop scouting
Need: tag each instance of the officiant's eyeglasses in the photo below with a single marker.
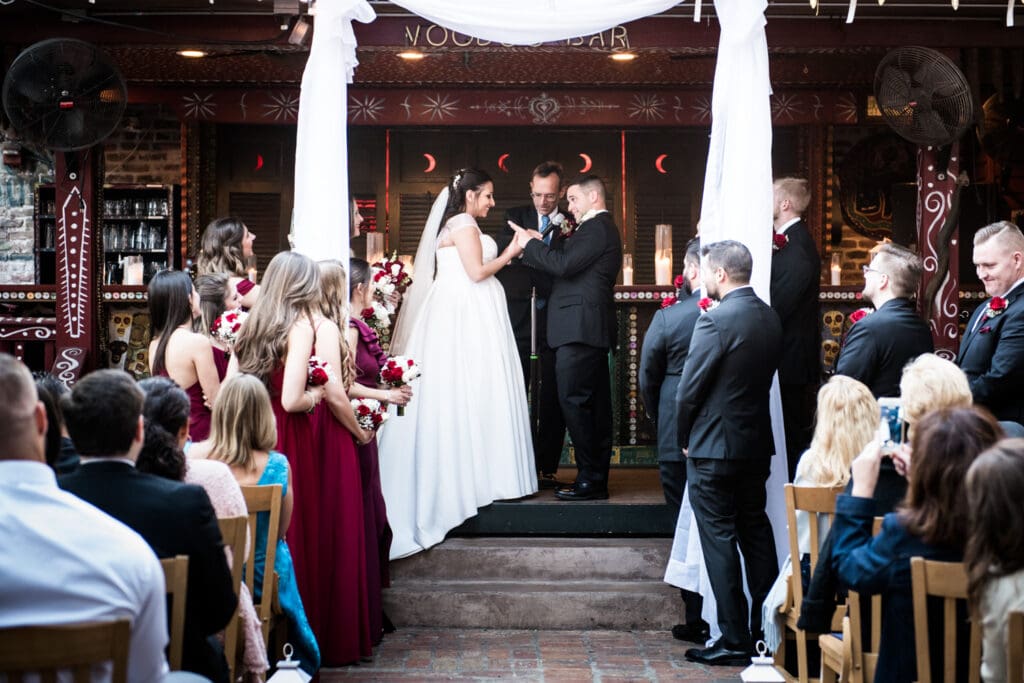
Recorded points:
(550, 197)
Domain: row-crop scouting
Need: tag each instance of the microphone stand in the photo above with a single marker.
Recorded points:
(534, 367)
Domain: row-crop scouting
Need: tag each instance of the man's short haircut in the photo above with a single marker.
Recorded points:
(692, 252)
(102, 413)
(18, 399)
(547, 168)
(589, 183)
(731, 256)
(796, 191)
(903, 267)
(1008, 233)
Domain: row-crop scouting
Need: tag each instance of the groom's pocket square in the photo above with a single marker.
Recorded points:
(985, 330)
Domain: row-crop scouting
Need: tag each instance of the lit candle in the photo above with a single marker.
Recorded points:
(663, 271)
(374, 246)
(836, 270)
(252, 274)
(627, 269)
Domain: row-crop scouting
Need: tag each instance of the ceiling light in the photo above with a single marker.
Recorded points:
(623, 56)
(411, 55)
(192, 54)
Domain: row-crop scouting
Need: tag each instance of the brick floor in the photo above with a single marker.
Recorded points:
(426, 654)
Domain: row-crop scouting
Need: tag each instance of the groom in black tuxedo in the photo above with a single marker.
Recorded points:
(725, 431)
(581, 328)
(520, 281)
(992, 349)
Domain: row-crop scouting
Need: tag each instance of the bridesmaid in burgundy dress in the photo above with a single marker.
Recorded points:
(217, 294)
(176, 351)
(227, 248)
(369, 359)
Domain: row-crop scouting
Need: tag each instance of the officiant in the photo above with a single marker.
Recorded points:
(520, 281)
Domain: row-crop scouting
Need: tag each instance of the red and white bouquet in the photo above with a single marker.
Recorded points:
(388, 276)
(399, 371)
(370, 413)
(320, 372)
(378, 318)
(228, 324)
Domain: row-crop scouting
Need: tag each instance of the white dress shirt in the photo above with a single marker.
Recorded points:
(787, 225)
(1002, 596)
(64, 561)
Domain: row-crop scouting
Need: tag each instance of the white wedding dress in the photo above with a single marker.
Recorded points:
(464, 440)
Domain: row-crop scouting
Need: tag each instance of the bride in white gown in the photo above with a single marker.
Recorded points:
(464, 440)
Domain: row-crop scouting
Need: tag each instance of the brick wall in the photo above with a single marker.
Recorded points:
(17, 185)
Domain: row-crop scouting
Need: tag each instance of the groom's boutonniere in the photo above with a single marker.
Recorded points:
(706, 304)
(996, 305)
(565, 224)
(779, 241)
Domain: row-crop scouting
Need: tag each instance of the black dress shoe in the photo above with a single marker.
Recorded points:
(718, 654)
(582, 490)
(548, 481)
(697, 632)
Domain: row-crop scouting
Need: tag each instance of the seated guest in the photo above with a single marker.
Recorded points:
(104, 417)
(932, 524)
(60, 451)
(877, 347)
(847, 418)
(62, 560)
(995, 548)
(165, 410)
(243, 436)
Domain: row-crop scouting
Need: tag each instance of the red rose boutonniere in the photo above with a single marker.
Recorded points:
(669, 300)
(996, 305)
(678, 282)
(859, 315)
(706, 304)
(779, 241)
(566, 225)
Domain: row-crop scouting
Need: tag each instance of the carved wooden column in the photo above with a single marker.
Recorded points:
(76, 179)
(936, 191)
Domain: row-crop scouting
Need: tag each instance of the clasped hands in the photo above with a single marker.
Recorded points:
(523, 236)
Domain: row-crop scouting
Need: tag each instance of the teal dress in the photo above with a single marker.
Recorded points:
(300, 634)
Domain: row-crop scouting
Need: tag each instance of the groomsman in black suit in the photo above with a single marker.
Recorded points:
(520, 281)
(581, 328)
(725, 430)
(878, 346)
(103, 414)
(992, 349)
(796, 274)
(662, 359)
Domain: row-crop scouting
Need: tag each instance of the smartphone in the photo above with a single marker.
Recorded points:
(892, 421)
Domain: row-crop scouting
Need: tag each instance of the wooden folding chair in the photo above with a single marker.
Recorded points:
(176, 580)
(819, 502)
(45, 650)
(947, 580)
(1015, 647)
(263, 499)
(234, 531)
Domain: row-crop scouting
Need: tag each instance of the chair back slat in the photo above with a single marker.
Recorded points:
(263, 499)
(947, 580)
(234, 531)
(1015, 647)
(31, 649)
(819, 502)
(176, 580)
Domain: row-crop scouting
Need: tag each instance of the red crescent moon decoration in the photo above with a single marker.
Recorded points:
(659, 163)
(501, 162)
(587, 163)
(259, 161)
(431, 163)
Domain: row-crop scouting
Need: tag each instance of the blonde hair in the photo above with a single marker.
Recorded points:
(222, 247)
(242, 422)
(334, 306)
(846, 420)
(931, 383)
(795, 190)
(290, 291)
(1008, 233)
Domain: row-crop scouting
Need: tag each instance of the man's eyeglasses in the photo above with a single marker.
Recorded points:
(869, 269)
(547, 197)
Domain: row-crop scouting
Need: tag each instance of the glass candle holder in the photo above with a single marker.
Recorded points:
(627, 269)
(663, 254)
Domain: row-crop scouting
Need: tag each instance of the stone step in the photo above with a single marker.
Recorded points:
(544, 559)
(566, 605)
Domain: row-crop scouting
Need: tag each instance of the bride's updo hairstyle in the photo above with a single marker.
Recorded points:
(462, 182)
(222, 247)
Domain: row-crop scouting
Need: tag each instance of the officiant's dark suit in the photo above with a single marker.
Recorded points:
(175, 519)
(581, 329)
(725, 424)
(519, 281)
(992, 357)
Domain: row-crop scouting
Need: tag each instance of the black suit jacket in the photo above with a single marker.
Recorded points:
(519, 280)
(992, 357)
(796, 275)
(581, 308)
(662, 359)
(723, 393)
(880, 345)
(175, 519)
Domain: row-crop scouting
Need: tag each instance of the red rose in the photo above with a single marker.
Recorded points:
(318, 377)
(779, 241)
(366, 313)
(706, 304)
(996, 305)
(678, 282)
(858, 315)
(668, 301)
